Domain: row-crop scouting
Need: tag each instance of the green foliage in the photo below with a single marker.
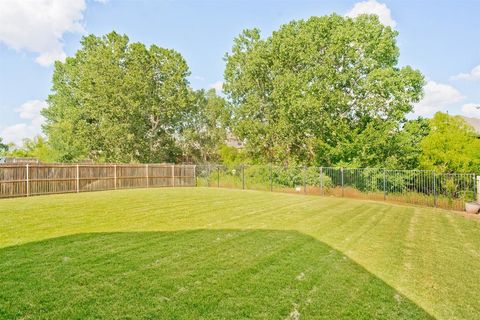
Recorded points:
(450, 189)
(384, 144)
(231, 155)
(37, 147)
(3, 147)
(117, 101)
(204, 127)
(263, 175)
(298, 176)
(451, 146)
(313, 89)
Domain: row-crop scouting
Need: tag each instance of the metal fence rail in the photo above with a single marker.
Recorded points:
(20, 180)
(427, 188)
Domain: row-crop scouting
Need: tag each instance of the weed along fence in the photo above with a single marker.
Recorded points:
(427, 188)
(17, 180)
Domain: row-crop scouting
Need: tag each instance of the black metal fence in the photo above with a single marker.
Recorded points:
(427, 188)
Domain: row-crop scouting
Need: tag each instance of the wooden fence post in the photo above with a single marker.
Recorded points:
(173, 175)
(218, 176)
(146, 174)
(28, 180)
(115, 175)
(78, 180)
(195, 174)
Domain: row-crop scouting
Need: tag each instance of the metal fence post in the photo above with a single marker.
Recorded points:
(173, 175)
(28, 180)
(384, 186)
(243, 177)
(218, 176)
(146, 175)
(78, 179)
(434, 189)
(343, 192)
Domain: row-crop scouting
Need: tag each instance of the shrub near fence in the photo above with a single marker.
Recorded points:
(427, 188)
(17, 180)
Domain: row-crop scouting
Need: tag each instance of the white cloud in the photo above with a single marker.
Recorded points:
(218, 86)
(473, 75)
(38, 26)
(29, 111)
(471, 110)
(438, 97)
(373, 7)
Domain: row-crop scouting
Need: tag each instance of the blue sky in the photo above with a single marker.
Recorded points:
(441, 38)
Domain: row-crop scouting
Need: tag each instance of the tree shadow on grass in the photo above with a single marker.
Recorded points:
(199, 274)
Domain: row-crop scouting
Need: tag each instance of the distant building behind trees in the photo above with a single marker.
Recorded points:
(15, 160)
(475, 123)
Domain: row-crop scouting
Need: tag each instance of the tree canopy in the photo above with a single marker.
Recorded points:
(315, 90)
(204, 127)
(117, 101)
(451, 146)
(324, 91)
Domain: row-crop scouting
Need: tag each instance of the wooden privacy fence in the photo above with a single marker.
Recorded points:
(20, 180)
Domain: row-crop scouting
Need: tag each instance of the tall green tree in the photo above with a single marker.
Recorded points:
(314, 87)
(451, 146)
(117, 101)
(204, 127)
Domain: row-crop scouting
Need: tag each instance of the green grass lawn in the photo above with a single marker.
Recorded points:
(199, 253)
